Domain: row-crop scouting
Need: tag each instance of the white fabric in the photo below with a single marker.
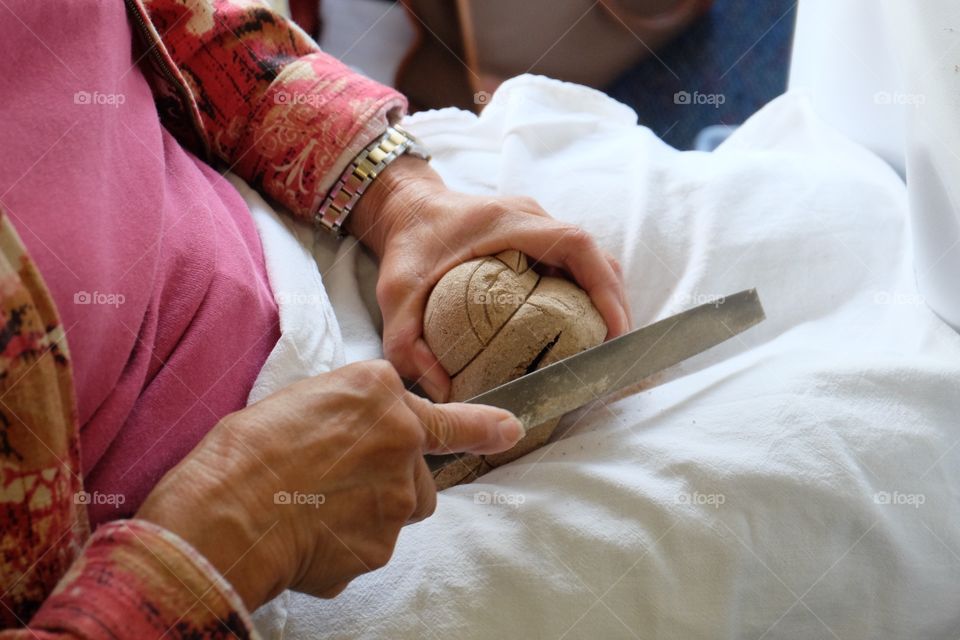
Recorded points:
(885, 73)
(926, 39)
(310, 342)
(800, 481)
(845, 56)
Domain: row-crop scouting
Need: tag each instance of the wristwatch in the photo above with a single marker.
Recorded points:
(361, 173)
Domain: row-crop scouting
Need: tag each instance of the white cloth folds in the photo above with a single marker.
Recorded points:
(799, 481)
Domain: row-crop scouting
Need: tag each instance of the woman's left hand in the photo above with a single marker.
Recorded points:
(420, 230)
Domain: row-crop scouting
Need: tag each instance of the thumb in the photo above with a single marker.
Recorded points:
(465, 428)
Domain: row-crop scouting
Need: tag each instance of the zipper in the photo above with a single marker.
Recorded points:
(161, 62)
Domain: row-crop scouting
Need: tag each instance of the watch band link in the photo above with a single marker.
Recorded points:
(360, 174)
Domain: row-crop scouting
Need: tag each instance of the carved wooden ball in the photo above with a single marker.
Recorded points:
(493, 319)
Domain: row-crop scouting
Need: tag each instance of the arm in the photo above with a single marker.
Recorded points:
(164, 573)
(266, 101)
(289, 119)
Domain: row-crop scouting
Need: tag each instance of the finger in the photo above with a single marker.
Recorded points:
(562, 245)
(403, 344)
(529, 205)
(557, 272)
(430, 374)
(426, 492)
(615, 265)
(460, 427)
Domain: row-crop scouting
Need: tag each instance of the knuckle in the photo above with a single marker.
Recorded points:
(579, 238)
(429, 509)
(389, 290)
(397, 344)
(379, 555)
(493, 211)
(406, 503)
(527, 204)
(373, 375)
(399, 503)
(499, 205)
(382, 371)
(392, 289)
(616, 266)
(424, 511)
(335, 590)
(410, 433)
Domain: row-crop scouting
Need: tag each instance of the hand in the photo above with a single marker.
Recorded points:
(419, 230)
(310, 487)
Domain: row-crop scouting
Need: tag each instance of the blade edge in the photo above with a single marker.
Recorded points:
(560, 387)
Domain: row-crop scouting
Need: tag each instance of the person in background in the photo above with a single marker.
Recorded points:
(137, 312)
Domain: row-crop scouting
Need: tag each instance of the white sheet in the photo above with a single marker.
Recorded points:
(798, 482)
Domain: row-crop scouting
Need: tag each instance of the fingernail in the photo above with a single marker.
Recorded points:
(511, 430)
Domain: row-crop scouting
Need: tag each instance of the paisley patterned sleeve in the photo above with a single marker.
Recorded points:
(259, 95)
(136, 580)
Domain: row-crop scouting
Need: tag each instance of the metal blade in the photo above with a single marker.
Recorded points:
(619, 363)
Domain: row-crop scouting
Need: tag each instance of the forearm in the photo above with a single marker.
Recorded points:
(276, 110)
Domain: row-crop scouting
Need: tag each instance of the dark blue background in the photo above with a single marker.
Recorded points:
(741, 50)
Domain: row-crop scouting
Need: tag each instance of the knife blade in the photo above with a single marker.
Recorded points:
(592, 374)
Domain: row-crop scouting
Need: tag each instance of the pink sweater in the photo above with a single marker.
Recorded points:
(151, 257)
(172, 309)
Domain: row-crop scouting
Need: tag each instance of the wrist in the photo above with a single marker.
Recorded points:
(392, 201)
(202, 510)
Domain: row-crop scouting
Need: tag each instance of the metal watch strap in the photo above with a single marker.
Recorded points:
(361, 173)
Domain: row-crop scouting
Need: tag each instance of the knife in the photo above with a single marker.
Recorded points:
(592, 374)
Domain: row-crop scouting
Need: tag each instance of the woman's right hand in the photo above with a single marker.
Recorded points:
(310, 487)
